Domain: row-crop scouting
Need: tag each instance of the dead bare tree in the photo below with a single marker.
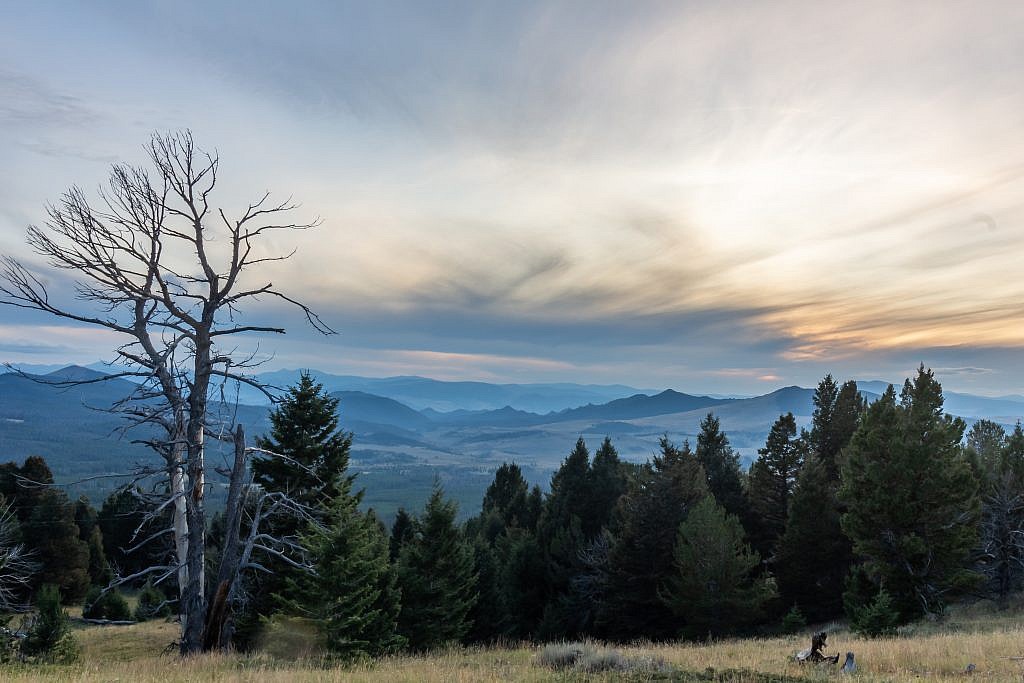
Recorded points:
(16, 564)
(159, 265)
(1001, 559)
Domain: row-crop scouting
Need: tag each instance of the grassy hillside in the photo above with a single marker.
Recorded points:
(933, 652)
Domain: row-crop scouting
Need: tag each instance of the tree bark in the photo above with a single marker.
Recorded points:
(219, 625)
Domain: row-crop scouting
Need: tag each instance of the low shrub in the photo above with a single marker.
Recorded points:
(794, 621)
(877, 618)
(110, 605)
(49, 637)
(152, 604)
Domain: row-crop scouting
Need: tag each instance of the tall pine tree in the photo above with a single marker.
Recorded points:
(911, 497)
(402, 531)
(715, 588)
(640, 559)
(772, 481)
(308, 460)
(561, 536)
(837, 412)
(813, 556)
(51, 534)
(353, 596)
(437, 579)
(508, 558)
(314, 469)
(607, 482)
(986, 444)
(722, 466)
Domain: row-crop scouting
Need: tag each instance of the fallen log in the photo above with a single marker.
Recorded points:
(105, 622)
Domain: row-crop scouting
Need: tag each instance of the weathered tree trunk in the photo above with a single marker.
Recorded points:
(219, 624)
(194, 592)
(180, 527)
(194, 595)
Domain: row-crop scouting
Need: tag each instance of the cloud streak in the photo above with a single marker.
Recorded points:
(589, 187)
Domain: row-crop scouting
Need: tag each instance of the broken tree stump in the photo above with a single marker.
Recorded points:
(814, 652)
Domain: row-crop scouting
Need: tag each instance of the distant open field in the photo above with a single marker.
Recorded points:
(933, 652)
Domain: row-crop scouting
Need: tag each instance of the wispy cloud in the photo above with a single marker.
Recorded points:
(783, 188)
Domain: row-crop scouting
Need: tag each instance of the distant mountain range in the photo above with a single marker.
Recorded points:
(423, 392)
(402, 422)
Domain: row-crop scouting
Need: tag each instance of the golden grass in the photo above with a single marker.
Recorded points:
(924, 652)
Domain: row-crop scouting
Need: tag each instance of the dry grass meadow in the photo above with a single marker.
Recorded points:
(924, 652)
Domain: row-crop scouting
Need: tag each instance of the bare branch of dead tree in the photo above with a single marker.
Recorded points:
(159, 264)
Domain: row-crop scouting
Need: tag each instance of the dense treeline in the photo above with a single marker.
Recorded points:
(882, 512)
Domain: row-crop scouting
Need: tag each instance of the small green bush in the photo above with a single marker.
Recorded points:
(794, 621)
(877, 618)
(49, 638)
(110, 605)
(152, 604)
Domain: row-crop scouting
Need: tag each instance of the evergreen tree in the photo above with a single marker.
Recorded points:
(986, 445)
(821, 439)
(813, 556)
(353, 596)
(607, 482)
(520, 583)
(509, 562)
(714, 588)
(123, 526)
(911, 497)
(773, 479)
(568, 496)
(25, 486)
(310, 465)
(508, 496)
(51, 533)
(402, 531)
(314, 469)
(1013, 454)
(837, 412)
(99, 570)
(85, 517)
(152, 603)
(50, 639)
(561, 536)
(437, 579)
(640, 559)
(488, 614)
(722, 466)
(877, 618)
(570, 611)
(105, 605)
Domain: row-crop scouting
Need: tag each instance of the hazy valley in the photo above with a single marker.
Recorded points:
(407, 430)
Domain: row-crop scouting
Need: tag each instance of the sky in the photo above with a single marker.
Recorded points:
(709, 196)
